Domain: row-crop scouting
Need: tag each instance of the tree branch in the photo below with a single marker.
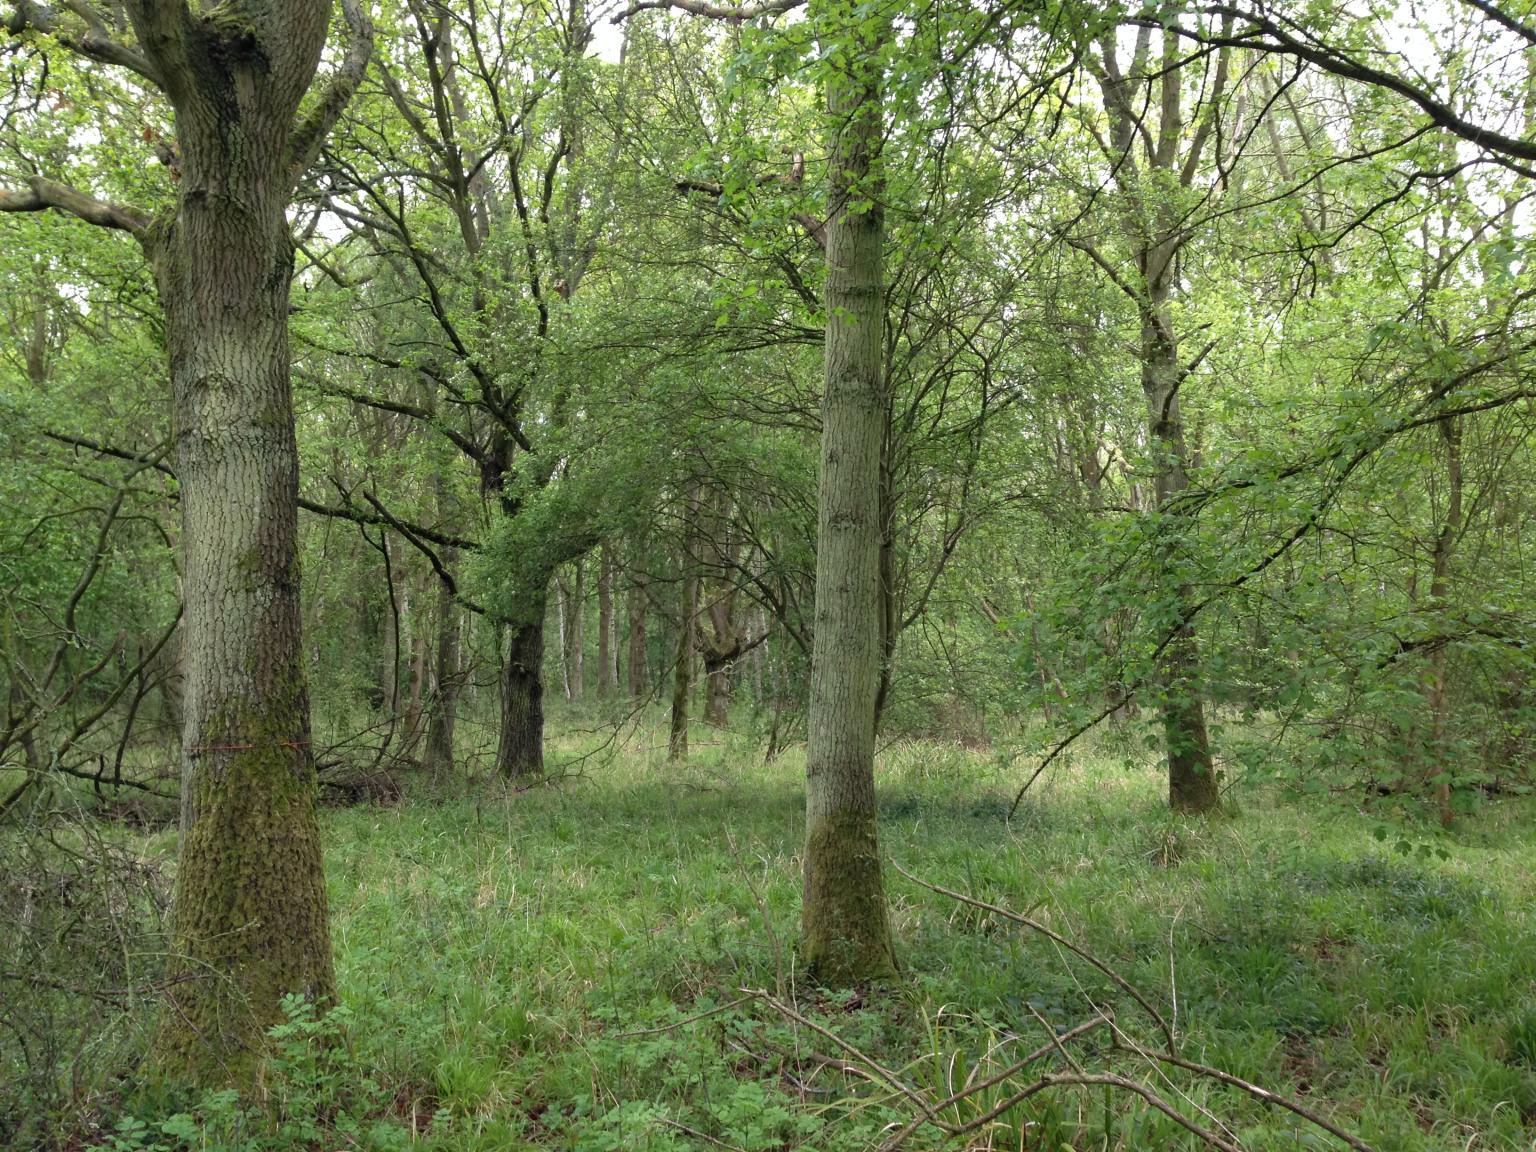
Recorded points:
(40, 195)
(710, 11)
(95, 43)
(336, 91)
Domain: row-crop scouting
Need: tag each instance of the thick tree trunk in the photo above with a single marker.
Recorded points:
(250, 905)
(845, 926)
(607, 669)
(520, 753)
(445, 696)
(1191, 775)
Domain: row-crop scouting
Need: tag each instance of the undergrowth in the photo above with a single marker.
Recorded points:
(565, 968)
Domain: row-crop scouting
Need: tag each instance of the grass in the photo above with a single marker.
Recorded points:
(519, 970)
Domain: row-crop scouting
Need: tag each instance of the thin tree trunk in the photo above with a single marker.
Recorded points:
(445, 696)
(416, 689)
(1191, 775)
(576, 640)
(845, 924)
(637, 606)
(563, 635)
(390, 646)
(607, 669)
(688, 609)
(1439, 769)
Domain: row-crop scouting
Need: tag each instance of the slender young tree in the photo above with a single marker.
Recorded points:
(1155, 166)
(249, 906)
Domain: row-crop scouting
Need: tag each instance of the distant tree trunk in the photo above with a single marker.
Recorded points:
(637, 602)
(568, 602)
(607, 669)
(416, 685)
(845, 925)
(889, 626)
(688, 610)
(445, 695)
(722, 646)
(1143, 161)
(1439, 769)
(563, 636)
(717, 692)
(520, 753)
(389, 645)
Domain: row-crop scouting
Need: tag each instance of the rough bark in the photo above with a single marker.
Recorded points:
(249, 909)
(520, 751)
(845, 926)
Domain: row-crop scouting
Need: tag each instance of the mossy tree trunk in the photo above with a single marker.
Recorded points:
(845, 926)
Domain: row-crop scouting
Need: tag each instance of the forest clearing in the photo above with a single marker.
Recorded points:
(802, 574)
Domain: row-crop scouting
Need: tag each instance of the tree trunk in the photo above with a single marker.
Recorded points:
(1191, 775)
(845, 925)
(717, 693)
(249, 906)
(1438, 774)
(572, 637)
(445, 696)
(415, 691)
(390, 644)
(520, 753)
(607, 669)
(682, 670)
(637, 597)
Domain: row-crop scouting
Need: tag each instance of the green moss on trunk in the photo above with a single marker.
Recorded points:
(250, 921)
(846, 931)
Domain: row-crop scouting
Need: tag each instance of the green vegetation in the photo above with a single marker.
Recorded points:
(1066, 469)
(516, 971)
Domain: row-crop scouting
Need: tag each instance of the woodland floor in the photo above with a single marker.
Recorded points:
(517, 971)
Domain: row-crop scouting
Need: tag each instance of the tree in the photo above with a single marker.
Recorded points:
(1153, 171)
(845, 924)
(249, 906)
